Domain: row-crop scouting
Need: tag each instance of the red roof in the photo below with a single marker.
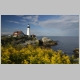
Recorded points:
(17, 33)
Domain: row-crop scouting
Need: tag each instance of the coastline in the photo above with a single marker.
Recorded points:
(44, 43)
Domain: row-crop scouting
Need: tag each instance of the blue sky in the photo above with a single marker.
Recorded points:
(41, 25)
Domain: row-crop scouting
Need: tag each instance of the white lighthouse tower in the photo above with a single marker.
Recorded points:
(28, 30)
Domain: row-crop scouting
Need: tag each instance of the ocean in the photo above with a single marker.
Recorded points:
(66, 43)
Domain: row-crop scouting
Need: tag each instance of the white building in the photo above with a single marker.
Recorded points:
(28, 30)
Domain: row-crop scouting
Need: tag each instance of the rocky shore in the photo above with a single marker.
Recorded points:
(44, 42)
(76, 52)
(24, 41)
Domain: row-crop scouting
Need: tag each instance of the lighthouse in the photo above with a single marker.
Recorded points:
(28, 30)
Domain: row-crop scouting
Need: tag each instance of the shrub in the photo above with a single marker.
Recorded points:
(33, 55)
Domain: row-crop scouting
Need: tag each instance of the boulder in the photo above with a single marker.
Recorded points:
(46, 39)
(48, 42)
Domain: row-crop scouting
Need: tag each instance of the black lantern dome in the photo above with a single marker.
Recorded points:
(28, 26)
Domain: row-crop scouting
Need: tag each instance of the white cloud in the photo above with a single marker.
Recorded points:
(32, 19)
(14, 21)
(23, 20)
(64, 25)
(61, 23)
(27, 17)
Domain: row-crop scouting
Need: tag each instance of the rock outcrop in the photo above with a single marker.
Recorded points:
(46, 39)
(76, 51)
(28, 40)
(42, 42)
(48, 42)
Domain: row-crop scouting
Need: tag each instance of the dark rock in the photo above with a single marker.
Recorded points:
(76, 52)
(40, 43)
